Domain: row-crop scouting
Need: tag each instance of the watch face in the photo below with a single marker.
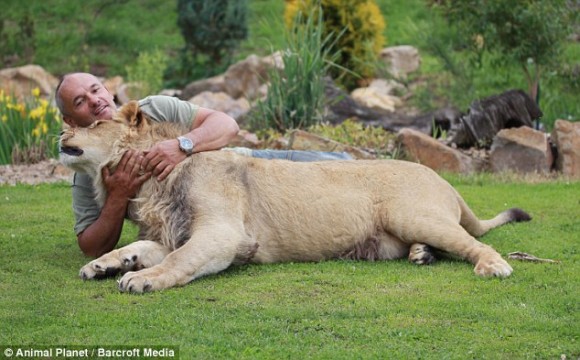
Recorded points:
(185, 144)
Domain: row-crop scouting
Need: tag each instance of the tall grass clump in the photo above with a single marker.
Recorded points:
(147, 72)
(28, 129)
(295, 97)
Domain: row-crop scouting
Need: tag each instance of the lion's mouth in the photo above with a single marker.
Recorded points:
(71, 150)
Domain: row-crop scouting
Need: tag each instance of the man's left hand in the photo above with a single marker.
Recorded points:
(162, 158)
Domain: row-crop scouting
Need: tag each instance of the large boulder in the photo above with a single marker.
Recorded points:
(221, 101)
(20, 81)
(566, 138)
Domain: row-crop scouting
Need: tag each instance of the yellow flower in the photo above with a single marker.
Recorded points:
(36, 132)
(37, 113)
(4, 118)
(36, 92)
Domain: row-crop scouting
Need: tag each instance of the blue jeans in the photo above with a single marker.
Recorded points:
(292, 155)
(300, 155)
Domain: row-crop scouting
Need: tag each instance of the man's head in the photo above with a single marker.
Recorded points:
(82, 99)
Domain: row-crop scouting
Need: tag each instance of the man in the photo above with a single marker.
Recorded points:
(83, 99)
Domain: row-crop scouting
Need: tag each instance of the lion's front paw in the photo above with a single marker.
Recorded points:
(100, 269)
(493, 267)
(140, 282)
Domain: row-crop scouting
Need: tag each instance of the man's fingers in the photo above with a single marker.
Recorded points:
(165, 172)
(125, 158)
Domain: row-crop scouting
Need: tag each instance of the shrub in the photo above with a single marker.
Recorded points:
(214, 28)
(28, 129)
(359, 26)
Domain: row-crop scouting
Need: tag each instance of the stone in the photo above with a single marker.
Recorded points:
(375, 99)
(401, 60)
(245, 77)
(20, 81)
(246, 139)
(221, 101)
(212, 84)
(522, 150)
(566, 138)
(303, 140)
(425, 150)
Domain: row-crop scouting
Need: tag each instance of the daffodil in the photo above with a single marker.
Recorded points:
(36, 92)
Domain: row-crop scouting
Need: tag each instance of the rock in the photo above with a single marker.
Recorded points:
(401, 60)
(375, 99)
(425, 150)
(20, 81)
(246, 139)
(213, 84)
(302, 140)
(566, 138)
(222, 102)
(522, 149)
(245, 77)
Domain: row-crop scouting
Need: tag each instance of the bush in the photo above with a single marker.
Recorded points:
(214, 28)
(28, 130)
(358, 27)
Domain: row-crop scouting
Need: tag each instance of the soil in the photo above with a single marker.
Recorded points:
(48, 171)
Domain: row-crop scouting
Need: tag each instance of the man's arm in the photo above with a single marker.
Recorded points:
(102, 235)
(210, 130)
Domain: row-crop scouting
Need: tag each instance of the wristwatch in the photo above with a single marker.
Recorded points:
(186, 145)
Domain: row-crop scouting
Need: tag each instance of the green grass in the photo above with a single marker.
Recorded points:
(335, 309)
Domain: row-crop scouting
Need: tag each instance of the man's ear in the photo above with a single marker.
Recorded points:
(133, 116)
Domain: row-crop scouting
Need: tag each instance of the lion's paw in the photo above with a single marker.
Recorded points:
(421, 254)
(100, 268)
(494, 267)
(137, 282)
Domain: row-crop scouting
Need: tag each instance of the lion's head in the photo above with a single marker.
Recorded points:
(88, 149)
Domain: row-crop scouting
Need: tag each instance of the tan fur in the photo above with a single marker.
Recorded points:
(219, 208)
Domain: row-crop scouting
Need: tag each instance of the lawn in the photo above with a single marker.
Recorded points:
(335, 309)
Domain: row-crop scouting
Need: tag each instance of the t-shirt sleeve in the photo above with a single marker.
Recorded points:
(85, 207)
(167, 108)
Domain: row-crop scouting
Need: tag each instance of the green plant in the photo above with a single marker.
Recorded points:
(148, 72)
(356, 134)
(358, 26)
(296, 94)
(28, 129)
(214, 28)
(528, 33)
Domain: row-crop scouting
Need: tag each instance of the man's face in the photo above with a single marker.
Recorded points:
(85, 99)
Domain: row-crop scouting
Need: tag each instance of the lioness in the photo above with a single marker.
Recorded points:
(219, 208)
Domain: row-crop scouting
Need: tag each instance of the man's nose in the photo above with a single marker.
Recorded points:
(93, 99)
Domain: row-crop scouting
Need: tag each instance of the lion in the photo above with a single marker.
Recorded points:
(218, 208)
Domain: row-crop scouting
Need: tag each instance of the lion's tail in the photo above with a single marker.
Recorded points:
(477, 227)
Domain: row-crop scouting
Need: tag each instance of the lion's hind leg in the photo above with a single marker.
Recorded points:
(448, 236)
(135, 256)
(421, 254)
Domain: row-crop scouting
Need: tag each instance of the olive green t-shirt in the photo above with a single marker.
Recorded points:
(158, 108)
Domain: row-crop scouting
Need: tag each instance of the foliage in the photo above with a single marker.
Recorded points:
(327, 310)
(356, 134)
(358, 26)
(214, 28)
(28, 129)
(296, 94)
(528, 33)
(148, 72)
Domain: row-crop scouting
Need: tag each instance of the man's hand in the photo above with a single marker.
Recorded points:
(127, 178)
(162, 158)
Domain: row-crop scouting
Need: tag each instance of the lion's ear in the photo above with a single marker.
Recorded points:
(132, 115)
